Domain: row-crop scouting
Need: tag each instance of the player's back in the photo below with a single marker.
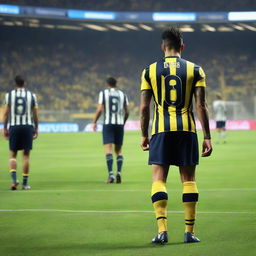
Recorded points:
(21, 102)
(173, 81)
(114, 101)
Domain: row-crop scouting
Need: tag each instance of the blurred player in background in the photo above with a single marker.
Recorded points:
(20, 112)
(173, 82)
(220, 114)
(114, 103)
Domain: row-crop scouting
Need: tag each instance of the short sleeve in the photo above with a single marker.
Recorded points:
(201, 78)
(6, 99)
(145, 81)
(100, 98)
(34, 101)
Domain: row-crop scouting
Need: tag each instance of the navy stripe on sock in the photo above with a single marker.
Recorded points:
(159, 196)
(161, 218)
(190, 197)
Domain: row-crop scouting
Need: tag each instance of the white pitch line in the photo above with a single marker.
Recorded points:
(128, 190)
(111, 211)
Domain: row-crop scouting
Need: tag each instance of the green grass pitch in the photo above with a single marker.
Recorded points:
(71, 211)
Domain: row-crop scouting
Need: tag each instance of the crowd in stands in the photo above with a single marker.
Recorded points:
(68, 74)
(142, 5)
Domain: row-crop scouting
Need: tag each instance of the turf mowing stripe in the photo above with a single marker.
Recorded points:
(109, 211)
(129, 190)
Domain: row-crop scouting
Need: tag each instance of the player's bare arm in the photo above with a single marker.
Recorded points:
(97, 116)
(203, 116)
(126, 115)
(146, 96)
(36, 121)
(5, 120)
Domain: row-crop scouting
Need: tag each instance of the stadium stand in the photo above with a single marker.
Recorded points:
(67, 69)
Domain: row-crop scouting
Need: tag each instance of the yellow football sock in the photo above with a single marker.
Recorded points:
(159, 198)
(190, 198)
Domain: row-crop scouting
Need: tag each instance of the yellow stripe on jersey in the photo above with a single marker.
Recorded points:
(154, 120)
(152, 76)
(160, 108)
(172, 110)
(144, 83)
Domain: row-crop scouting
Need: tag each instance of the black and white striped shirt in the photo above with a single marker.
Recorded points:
(21, 103)
(114, 101)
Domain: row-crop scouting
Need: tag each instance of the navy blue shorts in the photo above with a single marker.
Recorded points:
(174, 148)
(113, 133)
(21, 137)
(220, 124)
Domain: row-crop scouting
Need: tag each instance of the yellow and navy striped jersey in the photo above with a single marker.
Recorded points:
(172, 81)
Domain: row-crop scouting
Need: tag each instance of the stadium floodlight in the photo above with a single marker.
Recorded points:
(33, 20)
(225, 29)
(34, 25)
(146, 27)
(248, 26)
(9, 9)
(208, 28)
(237, 27)
(132, 27)
(8, 23)
(241, 16)
(69, 27)
(18, 23)
(50, 26)
(117, 28)
(174, 16)
(186, 28)
(95, 27)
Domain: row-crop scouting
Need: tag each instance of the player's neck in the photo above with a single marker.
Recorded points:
(171, 53)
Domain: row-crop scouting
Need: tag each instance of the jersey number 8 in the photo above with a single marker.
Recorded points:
(173, 90)
(114, 102)
(20, 106)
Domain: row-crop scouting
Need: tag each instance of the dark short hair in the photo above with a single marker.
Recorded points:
(19, 80)
(111, 81)
(172, 38)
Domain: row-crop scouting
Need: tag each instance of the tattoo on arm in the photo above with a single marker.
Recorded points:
(202, 111)
(145, 100)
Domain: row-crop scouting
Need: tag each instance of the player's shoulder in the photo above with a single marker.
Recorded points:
(196, 66)
(146, 69)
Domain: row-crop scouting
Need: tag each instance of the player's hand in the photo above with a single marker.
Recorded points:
(35, 134)
(207, 148)
(94, 127)
(144, 143)
(6, 134)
